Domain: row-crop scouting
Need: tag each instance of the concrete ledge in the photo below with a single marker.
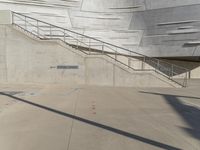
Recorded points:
(5, 17)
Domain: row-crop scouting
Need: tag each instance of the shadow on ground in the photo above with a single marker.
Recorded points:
(190, 114)
(96, 124)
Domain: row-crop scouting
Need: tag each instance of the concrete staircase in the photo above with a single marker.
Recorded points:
(101, 69)
(98, 62)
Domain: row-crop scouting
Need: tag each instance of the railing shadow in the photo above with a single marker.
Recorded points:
(96, 124)
(190, 114)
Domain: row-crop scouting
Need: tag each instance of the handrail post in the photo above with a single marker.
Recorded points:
(186, 78)
(77, 42)
(103, 48)
(143, 63)
(144, 59)
(129, 62)
(158, 65)
(12, 17)
(116, 54)
(38, 29)
(25, 22)
(50, 30)
(89, 46)
(64, 35)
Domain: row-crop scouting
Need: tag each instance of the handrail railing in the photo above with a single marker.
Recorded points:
(45, 30)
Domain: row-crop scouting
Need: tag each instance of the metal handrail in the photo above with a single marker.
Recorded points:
(159, 65)
(81, 34)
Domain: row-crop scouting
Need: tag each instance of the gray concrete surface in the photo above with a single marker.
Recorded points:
(98, 118)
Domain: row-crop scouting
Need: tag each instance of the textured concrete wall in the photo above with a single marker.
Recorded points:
(168, 31)
(156, 4)
(133, 24)
(25, 60)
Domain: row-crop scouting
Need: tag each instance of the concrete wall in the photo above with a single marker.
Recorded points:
(102, 71)
(168, 31)
(5, 17)
(132, 24)
(27, 60)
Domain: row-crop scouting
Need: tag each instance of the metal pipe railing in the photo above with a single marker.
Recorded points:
(40, 28)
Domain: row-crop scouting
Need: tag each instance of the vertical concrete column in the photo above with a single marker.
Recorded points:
(5, 17)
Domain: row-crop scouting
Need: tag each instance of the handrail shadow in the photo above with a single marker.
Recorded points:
(190, 114)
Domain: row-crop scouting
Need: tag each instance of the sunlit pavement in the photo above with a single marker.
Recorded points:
(35, 117)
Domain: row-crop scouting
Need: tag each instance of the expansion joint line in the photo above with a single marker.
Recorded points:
(74, 113)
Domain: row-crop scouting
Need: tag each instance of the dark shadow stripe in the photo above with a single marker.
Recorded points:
(108, 128)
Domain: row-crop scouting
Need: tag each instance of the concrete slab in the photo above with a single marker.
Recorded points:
(90, 117)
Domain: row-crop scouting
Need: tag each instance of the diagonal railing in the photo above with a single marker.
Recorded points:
(90, 45)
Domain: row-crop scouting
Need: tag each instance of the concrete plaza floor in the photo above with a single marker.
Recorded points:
(35, 117)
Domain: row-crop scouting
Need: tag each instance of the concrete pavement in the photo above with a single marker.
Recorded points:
(98, 118)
